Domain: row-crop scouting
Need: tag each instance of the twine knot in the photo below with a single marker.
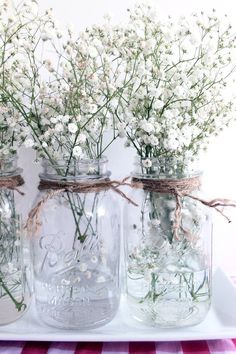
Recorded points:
(180, 188)
(12, 182)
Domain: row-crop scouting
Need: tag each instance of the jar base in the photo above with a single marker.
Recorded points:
(170, 314)
(79, 316)
(9, 313)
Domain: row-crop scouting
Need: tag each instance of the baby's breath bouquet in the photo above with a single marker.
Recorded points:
(12, 30)
(68, 97)
(179, 96)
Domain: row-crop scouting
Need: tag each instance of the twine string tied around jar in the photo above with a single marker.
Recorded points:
(180, 188)
(12, 182)
(54, 188)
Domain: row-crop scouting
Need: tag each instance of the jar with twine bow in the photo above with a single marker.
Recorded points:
(14, 269)
(75, 235)
(168, 247)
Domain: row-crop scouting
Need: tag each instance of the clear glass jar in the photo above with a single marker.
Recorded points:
(168, 276)
(76, 254)
(15, 291)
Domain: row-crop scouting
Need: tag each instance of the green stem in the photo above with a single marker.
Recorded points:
(19, 305)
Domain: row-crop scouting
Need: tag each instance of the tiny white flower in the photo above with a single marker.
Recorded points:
(83, 267)
(54, 120)
(29, 143)
(104, 260)
(88, 274)
(147, 163)
(153, 140)
(148, 275)
(94, 259)
(46, 36)
(150, 43)
(100, 279)
(11, 267)
(64, 119)
(179, 91)
(59, 127)
(146, 126)
(155, 223)
(158, 104)
(93, 108)
(77, 152)
(49, 66)
(156, 92)
(77, 280)
(81, 138)
(92, 51)
(121, 129)
(72, 127)
(17, 243)
(146, 139)
(65, 282)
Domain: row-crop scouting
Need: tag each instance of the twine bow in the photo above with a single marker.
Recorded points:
(181, 188)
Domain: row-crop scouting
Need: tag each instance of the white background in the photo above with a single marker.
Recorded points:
(218, 163)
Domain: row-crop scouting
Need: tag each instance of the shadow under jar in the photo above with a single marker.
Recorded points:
(76, 247)
(15, 292)
(168, 248)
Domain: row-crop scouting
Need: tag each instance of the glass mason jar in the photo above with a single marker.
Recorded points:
(168, 261)
(14, 269)
(76, 248)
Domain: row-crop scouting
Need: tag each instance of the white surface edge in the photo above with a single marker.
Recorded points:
(215, 325)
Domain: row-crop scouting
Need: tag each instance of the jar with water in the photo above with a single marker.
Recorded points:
(15, 276)
(76, 246)
(168, 247)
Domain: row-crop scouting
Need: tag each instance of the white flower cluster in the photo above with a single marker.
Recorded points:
(178, 72)
(67, 97)
(12, 39)
(161, 84)
(75, 108)
(12, 133)
(21, 34)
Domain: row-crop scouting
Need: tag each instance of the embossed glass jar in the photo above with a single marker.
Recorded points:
(168, 248)
(76, 247)
(15, 291)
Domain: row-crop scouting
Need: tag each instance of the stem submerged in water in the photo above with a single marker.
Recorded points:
(10, 251)
(20, 306)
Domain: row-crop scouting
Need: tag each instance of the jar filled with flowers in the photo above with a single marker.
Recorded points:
(174, 103)
(15, 275)
(75, 222)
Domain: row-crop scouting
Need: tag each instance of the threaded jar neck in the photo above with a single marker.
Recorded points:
(8, 165)
(77, 170)
(163, 168)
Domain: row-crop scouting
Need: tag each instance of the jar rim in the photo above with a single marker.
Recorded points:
(163, 176)
(82, 169)
(102, 159)
(8, 166)
(17, 172)
(156, 169)
(10, 157)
